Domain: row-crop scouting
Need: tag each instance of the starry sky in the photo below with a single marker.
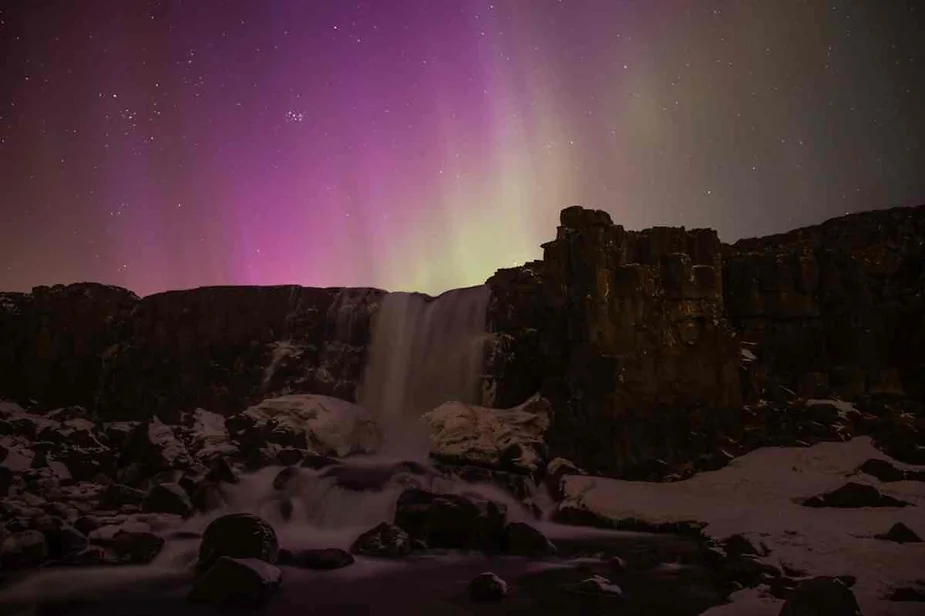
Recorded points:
(423, 144)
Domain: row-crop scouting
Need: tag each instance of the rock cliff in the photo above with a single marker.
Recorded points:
(654, 347)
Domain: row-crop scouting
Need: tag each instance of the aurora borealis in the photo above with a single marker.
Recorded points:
(422, 144)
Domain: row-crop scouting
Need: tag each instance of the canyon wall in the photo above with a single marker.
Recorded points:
(648, 343)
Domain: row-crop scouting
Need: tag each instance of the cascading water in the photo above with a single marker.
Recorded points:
(424, 352)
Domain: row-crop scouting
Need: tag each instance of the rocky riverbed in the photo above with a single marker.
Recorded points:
(288, 506)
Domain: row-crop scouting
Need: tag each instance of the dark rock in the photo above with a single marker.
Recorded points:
(221, 471)
(882, 470)
(24, 549)
(117, 495)
(237, 535)
(521, 539)
(137, 547)
(283, 478)
(852, 495)
(168, 498)
(907, 593)
(64, 542)
(847, 580)
(87, 524)
(6, 481)
(737, 545)
(821, 595)
(316, 462)
(900, 533)
(154, 446)
(290, 456)
(384, 540)
(245, 582)
(487, 587)
(451, 520)
(207, 497)
(326, 558)
(596, 585)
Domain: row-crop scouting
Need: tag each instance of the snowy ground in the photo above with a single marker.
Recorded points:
(755, 496)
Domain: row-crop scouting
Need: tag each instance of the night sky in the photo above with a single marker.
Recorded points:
(420, 145)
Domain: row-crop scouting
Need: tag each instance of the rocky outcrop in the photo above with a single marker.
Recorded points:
(645, 343)
(624, 332)
(218, 348)
(836, 308)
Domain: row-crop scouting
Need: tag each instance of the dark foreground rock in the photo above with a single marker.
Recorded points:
(487, 587)
(821, 596)
(322, 559)
(521, 539)
(854, 495)
(900, 533)
(384, 541)
(238, 535)
(237, 582)
(451, 520)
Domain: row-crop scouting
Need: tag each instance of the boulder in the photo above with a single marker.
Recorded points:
(168, 498)
(821, 595)
(117, 495)
(908, 593)
(900, 533)
(24, 549)
(384, 541)
(451, 520)
(64, 542)
(155, 447)
(508, 439)
(854, 495)
(237, 535)
(521, 539)
(283, 477)
(245, 582)
(323, 559)
(326, 425)
(136, 547)
(487, 587)
(596, 585)
(882, 470)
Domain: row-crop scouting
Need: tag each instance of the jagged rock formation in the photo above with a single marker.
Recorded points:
(647, 343)
(220, 348)
(623, 331)
(835, 308)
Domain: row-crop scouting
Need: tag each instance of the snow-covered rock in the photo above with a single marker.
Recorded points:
(207, 434)
(503, 438)
(758, 496)
(325, 424)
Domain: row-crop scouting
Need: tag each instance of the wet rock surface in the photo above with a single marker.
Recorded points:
(238, 535)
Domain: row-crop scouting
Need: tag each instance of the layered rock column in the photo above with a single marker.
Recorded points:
(634, 348)
(835, 309)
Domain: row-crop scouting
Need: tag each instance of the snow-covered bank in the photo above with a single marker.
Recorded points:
(758, 496)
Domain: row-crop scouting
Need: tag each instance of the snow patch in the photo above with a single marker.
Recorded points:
(756, 496)
(208, 434)
(337, 424)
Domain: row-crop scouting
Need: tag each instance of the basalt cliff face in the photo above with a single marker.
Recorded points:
(657, 348)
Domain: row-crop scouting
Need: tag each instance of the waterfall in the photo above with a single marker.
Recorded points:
(424, 351)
